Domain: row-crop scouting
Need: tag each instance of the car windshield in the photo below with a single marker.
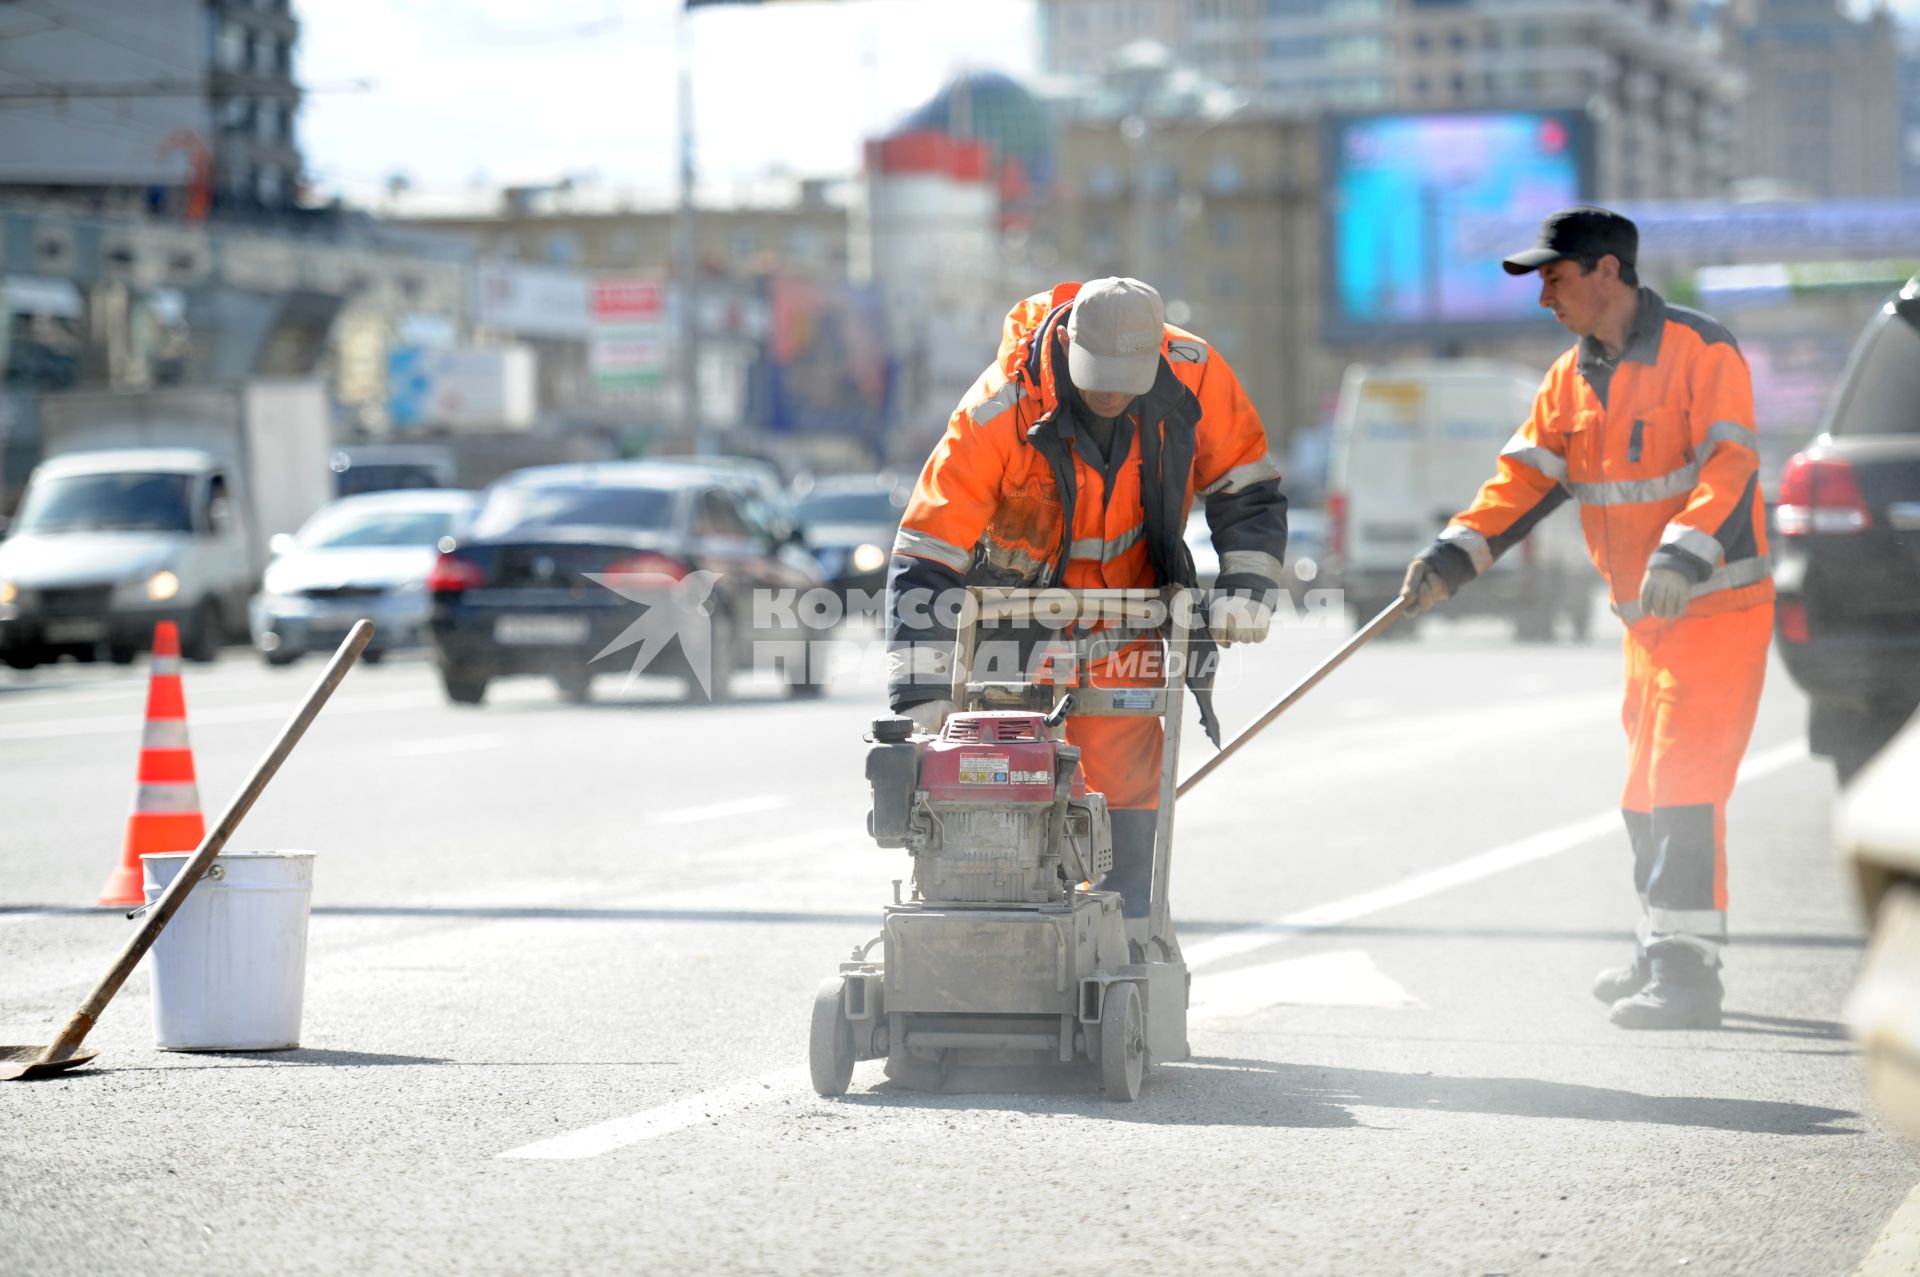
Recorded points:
(853, 507)
(520, 506)
(341, 529)
(386, 476)
(108, 503)
(1882, 394)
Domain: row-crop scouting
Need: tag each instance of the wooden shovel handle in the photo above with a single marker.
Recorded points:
(175, 895)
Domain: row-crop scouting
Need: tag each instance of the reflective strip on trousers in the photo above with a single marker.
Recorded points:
(1242, 477)
(1473, 543)
(924, 545)
(1731, 577)
(166, 799)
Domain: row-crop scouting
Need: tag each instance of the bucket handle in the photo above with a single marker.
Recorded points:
(215, 872)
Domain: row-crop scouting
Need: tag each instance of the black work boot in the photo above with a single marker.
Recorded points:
(1684, 994)
(1623, 982)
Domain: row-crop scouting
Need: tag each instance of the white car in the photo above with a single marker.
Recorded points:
(364, 556)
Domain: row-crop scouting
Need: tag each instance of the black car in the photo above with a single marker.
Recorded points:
(571, 571)
(849, 522)
(1847, 541)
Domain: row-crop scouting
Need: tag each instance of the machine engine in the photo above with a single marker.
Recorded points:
(995, 811)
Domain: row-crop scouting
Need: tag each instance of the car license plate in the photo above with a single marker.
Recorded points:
(76, 631)
(532, 630)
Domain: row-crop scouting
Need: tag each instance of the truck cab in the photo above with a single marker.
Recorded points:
(108, 543)
(1412, 443)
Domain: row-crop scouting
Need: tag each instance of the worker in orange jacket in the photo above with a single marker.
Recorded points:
(1073, 462)
(1648, 424)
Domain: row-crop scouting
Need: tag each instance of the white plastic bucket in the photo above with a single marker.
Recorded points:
(230, 970)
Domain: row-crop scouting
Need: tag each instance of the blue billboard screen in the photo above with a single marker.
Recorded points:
(1407, 201)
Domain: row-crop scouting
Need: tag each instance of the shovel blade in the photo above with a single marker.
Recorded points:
(23, 1062)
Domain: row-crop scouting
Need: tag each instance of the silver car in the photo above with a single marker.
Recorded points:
(362, 556)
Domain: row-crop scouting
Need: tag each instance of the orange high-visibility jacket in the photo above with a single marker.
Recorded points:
(999, 501)
(1659, 449)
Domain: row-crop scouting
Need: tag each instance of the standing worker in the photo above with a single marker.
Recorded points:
(1647, 423)
(1073, 462)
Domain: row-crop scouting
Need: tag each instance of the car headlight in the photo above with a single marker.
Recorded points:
(8, 592)
(869, 558)
(162, 585)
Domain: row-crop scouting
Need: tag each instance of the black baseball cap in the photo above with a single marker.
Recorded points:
(1579, 232)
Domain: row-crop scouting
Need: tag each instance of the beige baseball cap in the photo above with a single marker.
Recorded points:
(1113, 336)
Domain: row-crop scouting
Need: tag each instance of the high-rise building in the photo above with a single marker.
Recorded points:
(1823, 117)
(188, 105)
(1644, 69)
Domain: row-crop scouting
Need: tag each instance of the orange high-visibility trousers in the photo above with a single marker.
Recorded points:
(1692, 693)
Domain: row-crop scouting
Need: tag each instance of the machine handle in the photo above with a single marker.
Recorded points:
(1388, 615)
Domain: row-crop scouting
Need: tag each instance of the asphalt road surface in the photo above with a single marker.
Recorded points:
(562, 958)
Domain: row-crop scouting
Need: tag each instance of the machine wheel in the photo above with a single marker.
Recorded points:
(1123, 1043)
(830, 1046)
(463, 688)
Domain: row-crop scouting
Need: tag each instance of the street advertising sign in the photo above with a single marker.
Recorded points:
(630, 342)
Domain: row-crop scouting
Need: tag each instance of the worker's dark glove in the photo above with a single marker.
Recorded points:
(928, 716)
(1424, 589)
(1236, 618)
(1665, 593)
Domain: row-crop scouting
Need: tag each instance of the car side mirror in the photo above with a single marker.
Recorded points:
(280, 543)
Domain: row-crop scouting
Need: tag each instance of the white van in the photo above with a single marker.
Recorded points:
(1412, 443)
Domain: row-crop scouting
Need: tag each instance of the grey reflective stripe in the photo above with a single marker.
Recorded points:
(1109, 550)
(1242, 477)
(1253, 562)
(907, 663)
(1732, 432)
(1704, 924)
(164, 733)
(1182, 351)
(165, 665)
(1527, 453)
(1473, 543)
(168, 799)
(1694, 542)
(1731, 577)
(923, 545)
(1675, 483)
(1010, 558)
(996, 403)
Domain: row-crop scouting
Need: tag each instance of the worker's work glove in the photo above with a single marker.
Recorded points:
(927, 716)
(1665, 593)
(1235, 618)
(1424, 589)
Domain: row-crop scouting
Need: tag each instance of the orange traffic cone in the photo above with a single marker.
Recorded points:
(166, 801)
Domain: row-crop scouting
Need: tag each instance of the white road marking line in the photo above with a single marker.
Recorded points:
(446, 745)
(716, 811)
(1344, 978)
(1540, 846)
(737, 1097)
(675, 1116)
(214, 717)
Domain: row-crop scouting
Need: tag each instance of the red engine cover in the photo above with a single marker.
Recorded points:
(993, 756)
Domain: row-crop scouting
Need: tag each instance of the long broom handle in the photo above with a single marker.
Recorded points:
(1388, 616)
(176, 893)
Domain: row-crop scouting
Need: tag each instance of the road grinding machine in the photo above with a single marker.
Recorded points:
(1007, 951)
